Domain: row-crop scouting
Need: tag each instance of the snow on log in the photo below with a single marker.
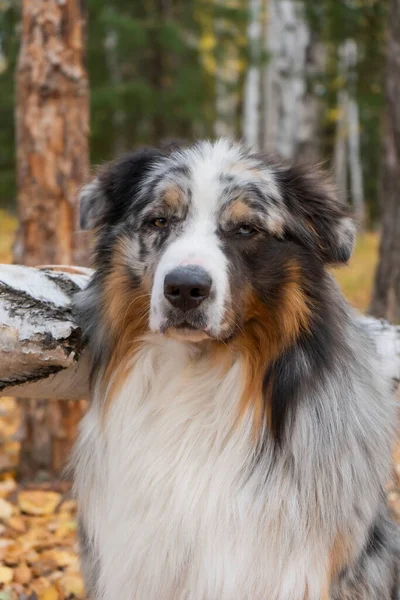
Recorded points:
(41, 349)
(42, 354)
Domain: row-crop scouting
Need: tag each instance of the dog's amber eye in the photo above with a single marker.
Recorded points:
(245, 230)
(160, 222)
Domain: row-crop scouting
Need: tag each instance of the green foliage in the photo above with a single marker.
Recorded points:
(364, 21)
(153, 68)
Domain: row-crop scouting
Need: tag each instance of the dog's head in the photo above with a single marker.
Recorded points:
(196, 242)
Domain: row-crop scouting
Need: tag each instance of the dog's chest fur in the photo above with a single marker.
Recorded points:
(178, 503)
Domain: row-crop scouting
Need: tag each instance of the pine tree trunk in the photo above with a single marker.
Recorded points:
(386, 297)
(52, 159)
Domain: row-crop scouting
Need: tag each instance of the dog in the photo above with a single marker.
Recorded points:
(239, 435)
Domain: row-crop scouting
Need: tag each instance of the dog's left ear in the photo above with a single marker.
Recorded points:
(115, 187)
(318, 219)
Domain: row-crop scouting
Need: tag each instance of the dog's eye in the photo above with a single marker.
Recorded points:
(160, 222)
(246, 230)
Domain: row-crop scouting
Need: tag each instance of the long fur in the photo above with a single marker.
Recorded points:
(239, 450)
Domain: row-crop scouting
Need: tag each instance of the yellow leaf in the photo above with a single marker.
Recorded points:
(62, 558)
(17, 523)
(6, 575)
(38, 502)
(6, 509)
(207, 42)
(23, 574)
(6, 487)
(71, 584)
(50, 594)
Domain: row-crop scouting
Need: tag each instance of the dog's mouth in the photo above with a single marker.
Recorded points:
(187, 334)
(186, 331)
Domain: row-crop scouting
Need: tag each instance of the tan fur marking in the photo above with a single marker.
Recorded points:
(267, 333)
(238, 210)
(340, 555)
(239, 167)
(126, 312)
(173, 197)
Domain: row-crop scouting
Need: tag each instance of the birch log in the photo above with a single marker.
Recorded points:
(41, 349)
(42, 353)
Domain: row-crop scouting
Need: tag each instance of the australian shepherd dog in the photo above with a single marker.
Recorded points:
(238, 440)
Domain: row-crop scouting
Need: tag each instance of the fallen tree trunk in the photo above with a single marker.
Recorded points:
(41, 349)
(42, 353)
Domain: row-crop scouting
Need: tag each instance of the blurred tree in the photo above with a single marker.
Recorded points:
(290, 103)
(252, 94)
(386, 298)
(364, 23)
(51, 120)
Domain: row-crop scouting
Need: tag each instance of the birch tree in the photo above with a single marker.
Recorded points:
(251, 112)
(291, 112)
(348, 164)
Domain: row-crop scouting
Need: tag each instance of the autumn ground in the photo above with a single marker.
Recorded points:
(38, 550)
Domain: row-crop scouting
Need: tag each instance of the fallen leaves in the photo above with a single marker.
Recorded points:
(38, 502)
(6, 575)
(6, 509)
(38, 547)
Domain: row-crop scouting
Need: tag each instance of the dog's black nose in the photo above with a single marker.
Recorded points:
(187, 287)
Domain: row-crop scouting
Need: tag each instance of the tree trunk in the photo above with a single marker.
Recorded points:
(386, 297)
(348, 165)
(341, 147)
(355, 163)
(226, 80)
(251, 112)
(290, 106)
(52, 152)
(52, 131)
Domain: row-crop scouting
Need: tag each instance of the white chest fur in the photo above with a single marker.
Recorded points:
(175, 500)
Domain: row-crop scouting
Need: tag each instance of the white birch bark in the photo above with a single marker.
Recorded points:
(42, 353)
(41, 348)
(348, 166)
(340, 160)
(226, 83)
(290, 103)
(355, 165)
(251, 111)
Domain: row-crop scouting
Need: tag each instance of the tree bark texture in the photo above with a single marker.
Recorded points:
(42, 353)
(52, 124)
(290, 106)
(39, 340)
(251, 109)
(386, 297)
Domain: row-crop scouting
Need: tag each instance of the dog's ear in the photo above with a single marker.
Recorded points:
(107, 196)
(317, 218)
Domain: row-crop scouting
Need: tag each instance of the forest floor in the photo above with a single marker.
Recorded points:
(38, 547)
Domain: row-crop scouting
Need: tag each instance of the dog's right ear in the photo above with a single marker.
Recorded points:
(112, 191)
